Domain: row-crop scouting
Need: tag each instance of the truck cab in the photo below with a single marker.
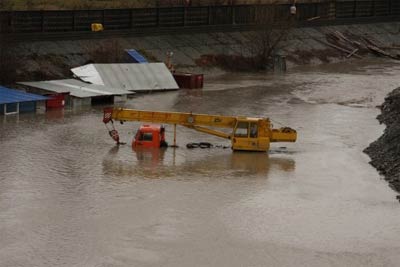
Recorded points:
(149, 136)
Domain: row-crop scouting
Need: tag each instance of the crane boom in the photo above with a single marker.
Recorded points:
(252, 134)
(173, 118)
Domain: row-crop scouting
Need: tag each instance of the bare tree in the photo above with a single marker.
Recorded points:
(264, 43)
(259, 49)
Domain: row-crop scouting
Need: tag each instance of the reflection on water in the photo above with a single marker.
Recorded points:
(151, 157)
(55, 114)
(260, 162)
(10, 118)
(167, 163)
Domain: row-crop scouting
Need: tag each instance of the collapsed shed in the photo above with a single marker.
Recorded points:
(132, 77)
(78, 93)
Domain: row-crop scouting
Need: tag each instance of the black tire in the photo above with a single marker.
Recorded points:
(205, 145)
(192, 145)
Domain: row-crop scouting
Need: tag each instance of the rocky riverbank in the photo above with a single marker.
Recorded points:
(385, 152)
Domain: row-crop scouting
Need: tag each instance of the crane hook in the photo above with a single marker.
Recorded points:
(114, 135)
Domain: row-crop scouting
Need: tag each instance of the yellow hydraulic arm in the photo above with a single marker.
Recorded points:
(252, 134)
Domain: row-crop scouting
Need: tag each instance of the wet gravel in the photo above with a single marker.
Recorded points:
(385, 152)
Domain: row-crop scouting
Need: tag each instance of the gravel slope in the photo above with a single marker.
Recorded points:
(385, 152)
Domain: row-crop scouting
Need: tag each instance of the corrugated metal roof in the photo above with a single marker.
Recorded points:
(136, 56)
(133, 77)
(8, 96)
(76, 88)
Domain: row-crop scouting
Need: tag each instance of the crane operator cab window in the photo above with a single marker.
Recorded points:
(242, 129)
(245, 129)
(253, 130)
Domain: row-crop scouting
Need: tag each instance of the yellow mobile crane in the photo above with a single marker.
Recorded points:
(246, 133)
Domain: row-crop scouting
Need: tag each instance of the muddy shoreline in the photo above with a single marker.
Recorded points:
(385, 152)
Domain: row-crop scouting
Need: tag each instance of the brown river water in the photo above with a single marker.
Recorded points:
(70, 197)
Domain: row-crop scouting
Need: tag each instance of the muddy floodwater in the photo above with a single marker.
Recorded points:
(70, 197)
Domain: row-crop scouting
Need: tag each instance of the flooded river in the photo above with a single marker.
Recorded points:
(70, 197)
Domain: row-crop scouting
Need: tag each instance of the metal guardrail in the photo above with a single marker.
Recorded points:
(141, 19)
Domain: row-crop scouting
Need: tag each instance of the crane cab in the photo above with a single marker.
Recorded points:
(150, 136)
(249, 134)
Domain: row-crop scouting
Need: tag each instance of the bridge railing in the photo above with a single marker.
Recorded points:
(188, 16)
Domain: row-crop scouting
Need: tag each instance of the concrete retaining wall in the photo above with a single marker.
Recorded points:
(301, 46)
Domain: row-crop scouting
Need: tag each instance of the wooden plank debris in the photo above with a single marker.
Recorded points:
(314, 18)
(390, 47)
(351, 47)
(381, 52)
(339, 48)
(352, 53)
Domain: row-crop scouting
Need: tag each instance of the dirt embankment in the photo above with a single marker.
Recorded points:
(385, 152)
